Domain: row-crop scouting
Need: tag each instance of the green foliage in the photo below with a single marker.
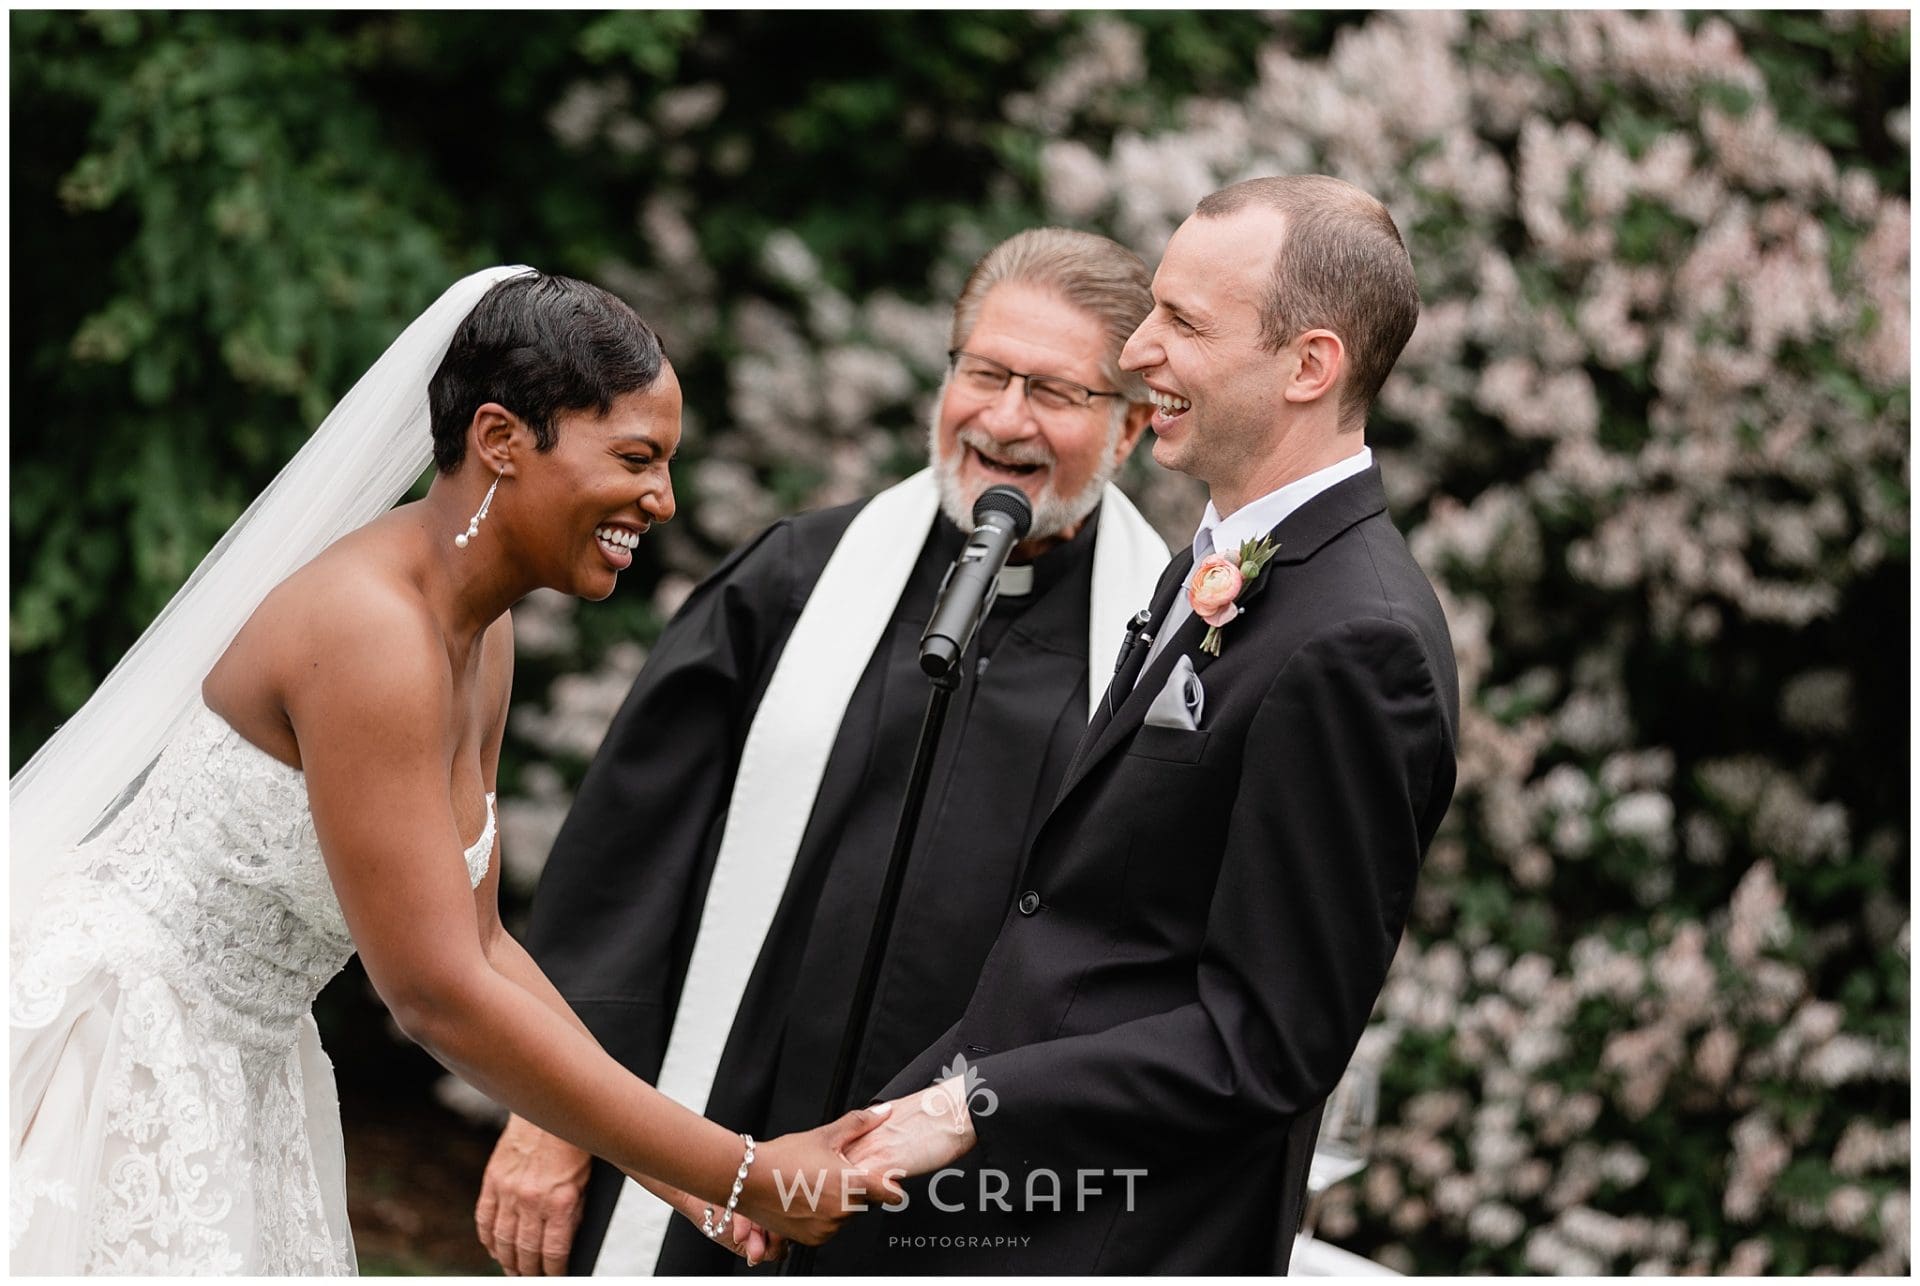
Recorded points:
(649, 42)
(1838, 82)
(223, 241)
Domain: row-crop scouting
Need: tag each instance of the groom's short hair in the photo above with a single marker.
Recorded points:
(1341, 266)
(539, 344)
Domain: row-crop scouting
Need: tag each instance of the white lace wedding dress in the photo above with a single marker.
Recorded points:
(172, 1111)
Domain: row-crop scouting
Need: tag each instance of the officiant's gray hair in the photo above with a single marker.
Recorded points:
(1097, 275)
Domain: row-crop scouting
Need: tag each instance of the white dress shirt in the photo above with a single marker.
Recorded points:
(1250, 522)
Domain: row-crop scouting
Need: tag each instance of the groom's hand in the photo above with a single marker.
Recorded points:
(530, 1200)
(921, 1133)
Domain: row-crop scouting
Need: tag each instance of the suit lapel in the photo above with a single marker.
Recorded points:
(1299, 537)
(1133, 708)
(1327, 515)
(1128, 671)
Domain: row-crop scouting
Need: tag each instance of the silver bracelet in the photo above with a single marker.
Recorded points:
(707, 1224)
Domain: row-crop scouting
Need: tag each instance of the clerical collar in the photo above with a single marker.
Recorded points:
(1021, 583)
(1026, 580)
(1016, 582)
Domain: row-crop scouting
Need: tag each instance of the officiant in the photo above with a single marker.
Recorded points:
(707, 903)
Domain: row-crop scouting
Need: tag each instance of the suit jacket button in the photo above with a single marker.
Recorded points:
(1029, 902)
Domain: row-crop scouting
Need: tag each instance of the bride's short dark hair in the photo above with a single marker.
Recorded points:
(538, 344)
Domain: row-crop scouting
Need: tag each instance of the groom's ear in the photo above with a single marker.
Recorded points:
(496, 435)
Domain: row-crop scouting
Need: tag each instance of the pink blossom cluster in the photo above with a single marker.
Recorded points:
(1510, 1156)
(1698, 337)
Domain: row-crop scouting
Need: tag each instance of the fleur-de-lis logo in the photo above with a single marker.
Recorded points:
(974, 1095)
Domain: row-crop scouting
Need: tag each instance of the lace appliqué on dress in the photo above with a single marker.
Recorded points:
(172, 1110)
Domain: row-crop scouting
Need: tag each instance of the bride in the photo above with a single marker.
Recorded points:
(297, 761)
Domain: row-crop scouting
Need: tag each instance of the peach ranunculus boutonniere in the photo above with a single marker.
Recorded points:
(1214, 592)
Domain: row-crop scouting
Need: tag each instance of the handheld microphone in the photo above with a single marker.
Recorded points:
(1001, 517)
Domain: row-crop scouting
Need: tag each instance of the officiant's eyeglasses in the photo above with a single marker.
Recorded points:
(986, 378)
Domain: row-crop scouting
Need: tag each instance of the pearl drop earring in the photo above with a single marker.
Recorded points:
(473, 527)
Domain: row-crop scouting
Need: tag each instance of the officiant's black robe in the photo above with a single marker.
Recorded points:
(620, 900)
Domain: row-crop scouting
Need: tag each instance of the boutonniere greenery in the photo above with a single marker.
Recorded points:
(1219, 581)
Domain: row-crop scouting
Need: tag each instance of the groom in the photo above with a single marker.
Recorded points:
(1208, 912)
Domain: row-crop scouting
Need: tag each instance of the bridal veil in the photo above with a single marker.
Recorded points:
(363, 457)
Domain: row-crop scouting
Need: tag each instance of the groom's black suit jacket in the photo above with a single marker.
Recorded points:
(1205, 921)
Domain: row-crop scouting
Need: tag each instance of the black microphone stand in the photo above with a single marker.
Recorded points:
(799, 1262)
(942, 649)
(938, 698)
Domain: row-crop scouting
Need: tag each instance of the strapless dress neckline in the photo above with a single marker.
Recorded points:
(482, 847)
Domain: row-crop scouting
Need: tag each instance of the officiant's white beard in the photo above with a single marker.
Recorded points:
(1053, 514)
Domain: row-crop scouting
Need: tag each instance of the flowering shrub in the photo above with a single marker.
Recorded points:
(1651, 442)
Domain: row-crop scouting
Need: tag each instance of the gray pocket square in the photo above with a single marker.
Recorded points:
(1181, 702)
